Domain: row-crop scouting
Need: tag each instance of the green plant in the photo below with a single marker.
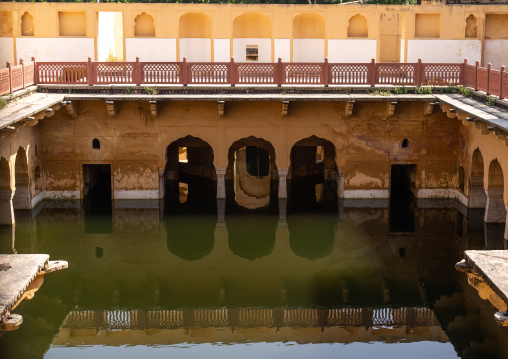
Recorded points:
(423, 90)
(3, 103)
(150, 90)
(465, 91)
(128, 91)
(380, 92)
(69, 91)
(112, 58)
(401, 90)
(452, 89)
(490, 101)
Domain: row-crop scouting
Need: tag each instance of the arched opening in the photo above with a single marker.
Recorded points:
(405, 143)
(251, 237)
(471, 27)
(144, 25)
(495, 211)
(190, 179)
(195, 32)
(357, 27)
(6, 212)
(250, 173)
(477, 196)
(312, 172)
(308, 38)
(21, 199)
(96, 144)
(319, 227)
(27, 25)
(461, 179)
(190, 237)
(252, 37)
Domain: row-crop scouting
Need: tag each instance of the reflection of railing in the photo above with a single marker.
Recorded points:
(231, 73)
(251, 317)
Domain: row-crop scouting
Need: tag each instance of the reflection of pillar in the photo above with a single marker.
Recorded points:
(283, 191)
(161, 184)
(477, 197)
(221, 209)
(282, 209)
(6, 210)
(221, 184)
(495, 211)
(340, 184)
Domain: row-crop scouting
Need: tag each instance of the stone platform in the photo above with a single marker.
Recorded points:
(492, 268)
(17, 275)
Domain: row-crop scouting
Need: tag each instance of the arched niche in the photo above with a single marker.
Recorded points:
(195, 25)
(496, 179)
(495, 212)
(470, 32)
(252, 25)
(21, 199)
(27, 24)
(357, 26)
(477, 196)
(144, 25)
(308, 26)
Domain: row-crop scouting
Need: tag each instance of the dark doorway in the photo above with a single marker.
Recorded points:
(97, 202)
(402, 198)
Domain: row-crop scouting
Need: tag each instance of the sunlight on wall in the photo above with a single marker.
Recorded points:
(110, 35)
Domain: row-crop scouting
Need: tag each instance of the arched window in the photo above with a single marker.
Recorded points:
(405, 143)
(96, 144)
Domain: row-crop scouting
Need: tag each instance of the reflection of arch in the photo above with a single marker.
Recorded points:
(27, 25)
(144, 25)
(251, 236)
(196, 173)
(311, 236)
(308, 26)
(5, 175)
(496, 180)
(471, 26)
(195, 25)
(477, 195)
(231, 179)
(252, 26)
(357, 27)
(312, 174)
(190, 238)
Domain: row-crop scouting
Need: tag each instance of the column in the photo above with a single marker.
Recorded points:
(340, 184)
(283, 191)
(221, 183)
(6, 210)
(477, 197)
(495, 211)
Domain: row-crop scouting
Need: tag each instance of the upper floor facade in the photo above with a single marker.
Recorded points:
(257, 33)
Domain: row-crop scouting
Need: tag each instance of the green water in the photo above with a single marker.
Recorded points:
(338, 285)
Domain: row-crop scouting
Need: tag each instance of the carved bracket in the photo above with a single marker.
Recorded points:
(285, 108)
(482, 126)
(450, 111)
(72, 108)
(154, 108)
(220, 107)
(428, 108)
(112, 108)
(349, 108)
(391, 108)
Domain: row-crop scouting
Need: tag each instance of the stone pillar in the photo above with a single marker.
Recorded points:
(221, 183)
(477, 196)
(340, 184)
(21, 199)
(283, 190)
(495, 211)
(6, 210)
(162, 184)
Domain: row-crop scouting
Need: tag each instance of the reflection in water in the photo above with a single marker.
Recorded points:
(178, 279)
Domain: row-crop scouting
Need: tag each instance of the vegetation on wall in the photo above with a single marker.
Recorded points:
(394, 2)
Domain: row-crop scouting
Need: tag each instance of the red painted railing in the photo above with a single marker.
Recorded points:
(16, 77)
(138, 73)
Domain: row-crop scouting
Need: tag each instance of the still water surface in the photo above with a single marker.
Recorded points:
(349, 284)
